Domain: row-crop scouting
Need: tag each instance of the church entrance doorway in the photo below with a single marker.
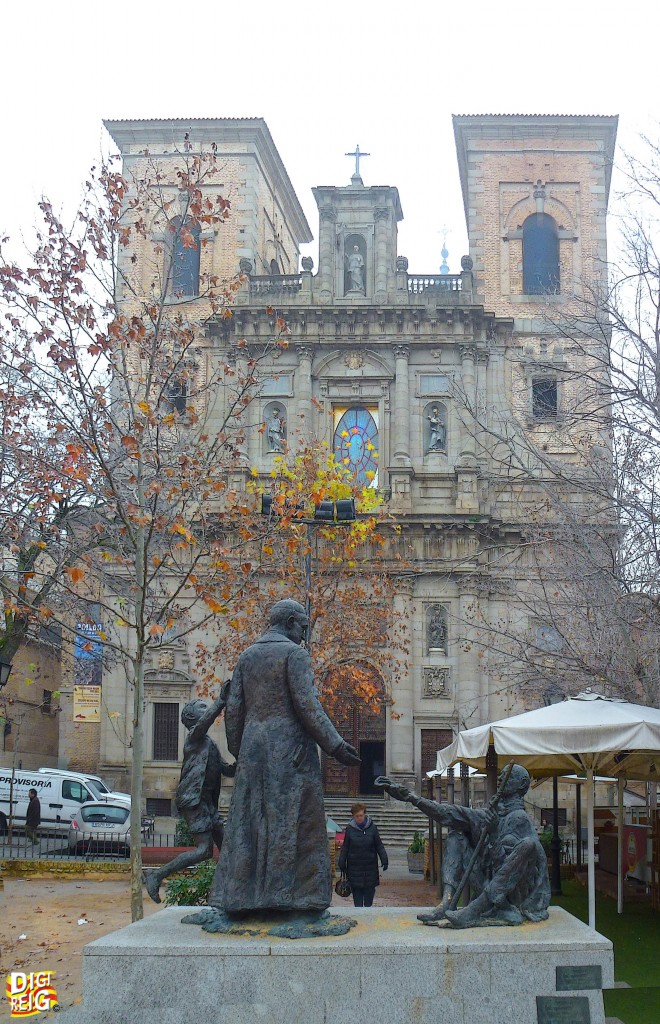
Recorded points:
(360, 716)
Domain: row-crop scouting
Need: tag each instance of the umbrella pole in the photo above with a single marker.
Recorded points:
(578, 825)
(591, 867)
(555, 845)
(619, 866)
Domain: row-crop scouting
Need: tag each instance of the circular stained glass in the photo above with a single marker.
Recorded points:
(356, 444)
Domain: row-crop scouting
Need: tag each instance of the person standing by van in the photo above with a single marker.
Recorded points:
(33, 816)
(361, 850)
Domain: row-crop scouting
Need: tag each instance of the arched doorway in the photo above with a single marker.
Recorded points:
(359, 712)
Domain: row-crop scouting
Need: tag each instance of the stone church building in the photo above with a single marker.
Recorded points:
(414, 363)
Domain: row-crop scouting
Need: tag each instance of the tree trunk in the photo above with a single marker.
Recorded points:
(137, 910)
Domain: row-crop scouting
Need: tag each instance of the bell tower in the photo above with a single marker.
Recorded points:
(535, 191)
(357, 240)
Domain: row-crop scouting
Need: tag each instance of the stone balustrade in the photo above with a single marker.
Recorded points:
(419, 284)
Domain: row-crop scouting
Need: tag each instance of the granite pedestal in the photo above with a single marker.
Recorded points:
(388, 969)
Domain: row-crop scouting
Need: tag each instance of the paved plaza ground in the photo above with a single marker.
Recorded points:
(47, 912)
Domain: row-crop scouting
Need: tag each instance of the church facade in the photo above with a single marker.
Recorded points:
(416, 367)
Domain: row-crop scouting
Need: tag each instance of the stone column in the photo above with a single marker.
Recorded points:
(303, 390)
(327, 253)
(380, 255)
(467, 467)
(401, 432)
(468, 691)
(400, 756)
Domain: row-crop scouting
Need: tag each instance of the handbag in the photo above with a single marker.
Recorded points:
(343, 886)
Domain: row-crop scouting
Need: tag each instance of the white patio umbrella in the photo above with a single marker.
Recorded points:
(589, 733)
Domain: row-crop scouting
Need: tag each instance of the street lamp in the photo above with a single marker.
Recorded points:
(5, 671)
(340, 512)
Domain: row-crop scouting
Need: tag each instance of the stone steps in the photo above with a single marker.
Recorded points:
(397, 823)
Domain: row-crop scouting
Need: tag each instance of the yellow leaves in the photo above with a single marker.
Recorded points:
(106, 556)
(214, 606)
(267, 549)
(74, 573)
(184, 532)
(144, 407)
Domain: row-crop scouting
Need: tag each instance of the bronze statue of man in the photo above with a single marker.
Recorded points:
(198, 792)
(509, 880)
(275, 854)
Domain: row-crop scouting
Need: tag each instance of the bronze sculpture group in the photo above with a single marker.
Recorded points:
(274, 857)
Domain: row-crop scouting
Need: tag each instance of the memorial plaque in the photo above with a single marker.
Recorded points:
(563, 1010)
(570, 979)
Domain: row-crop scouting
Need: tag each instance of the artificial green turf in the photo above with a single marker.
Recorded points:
(635, 935)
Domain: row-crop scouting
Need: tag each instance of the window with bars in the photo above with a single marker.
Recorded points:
(545, 399)
(166, 732)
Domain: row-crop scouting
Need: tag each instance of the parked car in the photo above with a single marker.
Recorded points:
(101, 827)
(94, 783)
(60, 796)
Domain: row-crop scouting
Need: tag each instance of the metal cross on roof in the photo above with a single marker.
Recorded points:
(357, 154)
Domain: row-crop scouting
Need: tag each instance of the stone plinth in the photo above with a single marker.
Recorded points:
(388, 969)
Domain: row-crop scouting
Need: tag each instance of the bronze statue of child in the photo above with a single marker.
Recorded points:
(198, 792)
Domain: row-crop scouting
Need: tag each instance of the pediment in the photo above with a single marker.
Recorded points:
(351, 362)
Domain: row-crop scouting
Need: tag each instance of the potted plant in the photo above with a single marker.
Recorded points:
(416, 854)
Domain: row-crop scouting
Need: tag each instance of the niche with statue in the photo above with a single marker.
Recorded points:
(355, 265)
(435, 428)
(274, 428)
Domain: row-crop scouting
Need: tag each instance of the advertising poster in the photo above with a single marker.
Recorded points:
(87, 703)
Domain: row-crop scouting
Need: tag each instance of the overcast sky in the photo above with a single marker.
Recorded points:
(325, 76)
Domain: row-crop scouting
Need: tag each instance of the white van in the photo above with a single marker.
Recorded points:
(94, 782)
(60, 797)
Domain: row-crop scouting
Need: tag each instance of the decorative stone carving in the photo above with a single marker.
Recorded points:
(381, 213)
(466, 263)
(354, 359)
(402, 264)
(401, 351)
(166, 660)
(307, 263)
(436, 681)
(245, 265)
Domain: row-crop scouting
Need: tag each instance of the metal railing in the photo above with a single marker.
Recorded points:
(94, 845)
(419, 284)
(275, 284)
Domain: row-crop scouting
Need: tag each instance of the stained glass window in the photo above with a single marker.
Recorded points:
(356, 443)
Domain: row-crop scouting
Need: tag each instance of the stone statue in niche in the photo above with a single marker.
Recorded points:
(495, 849)
(437, 431)
(198, 791)
(275, 431)
(274, 857)
(437, 629)
(355, 268)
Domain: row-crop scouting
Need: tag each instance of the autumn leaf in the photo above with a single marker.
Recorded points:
(156, 630)
(74, 573)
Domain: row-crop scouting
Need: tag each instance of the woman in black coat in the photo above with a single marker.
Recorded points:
(359, 856)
